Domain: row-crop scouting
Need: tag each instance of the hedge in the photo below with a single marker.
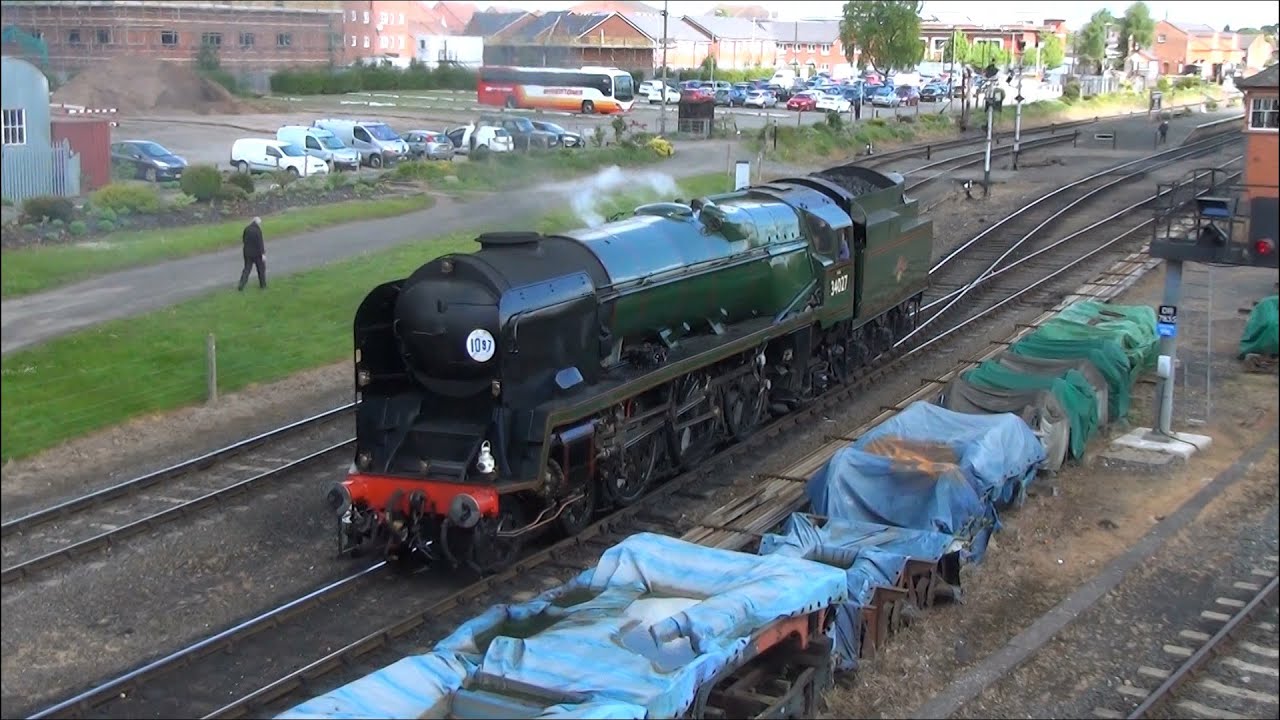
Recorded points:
(371, 78)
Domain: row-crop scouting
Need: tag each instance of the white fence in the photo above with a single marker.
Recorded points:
(29, 171)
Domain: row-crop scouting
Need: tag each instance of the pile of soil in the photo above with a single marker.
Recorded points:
(135, 86)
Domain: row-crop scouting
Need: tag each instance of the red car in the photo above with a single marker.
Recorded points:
(805, 102)
(907, 95)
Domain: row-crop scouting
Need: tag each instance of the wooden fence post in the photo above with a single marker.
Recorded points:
(211, 368)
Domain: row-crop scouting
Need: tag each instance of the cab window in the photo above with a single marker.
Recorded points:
(312, 143)
(361, 134)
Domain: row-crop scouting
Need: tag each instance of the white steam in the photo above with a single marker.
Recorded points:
(589, 196)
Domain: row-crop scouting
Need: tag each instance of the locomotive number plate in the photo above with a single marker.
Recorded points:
(480, 345)
(839, 284)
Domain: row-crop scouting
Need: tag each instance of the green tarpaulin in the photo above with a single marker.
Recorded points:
(1262, 331)
(1071, 389)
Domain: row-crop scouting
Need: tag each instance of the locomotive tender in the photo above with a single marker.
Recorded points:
(523, 387)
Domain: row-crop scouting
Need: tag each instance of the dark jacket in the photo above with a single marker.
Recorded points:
(253, 245)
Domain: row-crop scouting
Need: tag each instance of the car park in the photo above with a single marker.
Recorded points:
(525, 136)
(805, 101)
(477, 141)
(566, 138)
(907, 95)
(934, 92)
(760, 99)
(732, 97)
(322, 144)
(884, 96)
(146, 160)
(429, 145)
(263, 155)
(670, 97)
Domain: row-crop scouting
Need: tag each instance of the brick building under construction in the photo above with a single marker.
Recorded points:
(248, 36)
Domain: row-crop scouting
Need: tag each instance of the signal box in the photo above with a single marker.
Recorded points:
(1198, 219)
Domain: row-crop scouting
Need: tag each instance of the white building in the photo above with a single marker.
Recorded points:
(464, 50)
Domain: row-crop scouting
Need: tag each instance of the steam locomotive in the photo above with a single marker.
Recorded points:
(529, 385)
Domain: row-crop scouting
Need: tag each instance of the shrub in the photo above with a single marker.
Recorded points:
(77, 228)
(1163, 85)
(422, 170)
(231, 193)
(1071, 91)
(133, 197)
(44, 208)
(29, 228)
(597, 136)
(661, 146)
(244, 181)
(372, 78)
(107, 214)
(106, 226)
(202, 182)
(56, 222)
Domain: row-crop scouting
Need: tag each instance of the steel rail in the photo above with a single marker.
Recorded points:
(106, 539)
(1206, 651)
(126, 487)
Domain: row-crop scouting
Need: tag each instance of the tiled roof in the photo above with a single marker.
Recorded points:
(1193, 28)
(486, 24)
(651, 24)
(806, 32)
(729, 28)
(1267, 78)
(560, 23)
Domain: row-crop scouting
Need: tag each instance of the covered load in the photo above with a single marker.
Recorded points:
(1262, 330)
(635, 637)
(929, 468)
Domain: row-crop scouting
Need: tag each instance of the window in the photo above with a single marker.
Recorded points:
(813, 47)
(382, 42)
(382, 18)
(422, 44)
(312, 143)
(826, 48)
(366, 42)
(1264, 114)
(366, 17)
(104, 36)
(246, 39)
(211, 38)
(401, 20)
(361, 134)
(355, 41)
(169, 37)
(1161, 38)
(73, 37)
(284, 39)
(15, 127)
(353, 16)
(401, 42)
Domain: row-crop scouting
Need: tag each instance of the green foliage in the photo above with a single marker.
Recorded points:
(1052, 54)
(231, 193)
(78, 228)
(1091, 42)
(709, 71)
(244, 181)
(1071, 90)
(202, 182)
(131, 197)
(597, 136)
(105, 226)
(44, 208)
(372, 78)
(957, 48)
(1137, 29)
(984, 54)
(886, 31)
(1163, 85)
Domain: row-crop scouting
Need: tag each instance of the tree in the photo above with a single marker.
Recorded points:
(1091, 42)
(1031, 57)
(1226, 28)
(887, 32)
(957, 48)
(1137, 29)
(1052, 53)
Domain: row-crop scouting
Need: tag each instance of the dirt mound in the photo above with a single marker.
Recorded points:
(135, 85)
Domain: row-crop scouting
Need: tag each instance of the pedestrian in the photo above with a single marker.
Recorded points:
(255, 254)
(1164, 131)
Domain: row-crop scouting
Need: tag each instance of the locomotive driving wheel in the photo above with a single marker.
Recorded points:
(491, 551)
(575, 516)
(744, 407)
(693, 442)
(633, 472)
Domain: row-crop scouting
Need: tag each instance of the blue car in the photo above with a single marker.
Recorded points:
(733, 97)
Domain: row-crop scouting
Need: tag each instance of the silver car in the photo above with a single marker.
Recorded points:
(428, 144)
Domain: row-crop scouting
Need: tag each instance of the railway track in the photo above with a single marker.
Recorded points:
(227, 675)
(926, 174)
(104, 518)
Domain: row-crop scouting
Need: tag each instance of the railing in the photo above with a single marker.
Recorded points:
(30, 171)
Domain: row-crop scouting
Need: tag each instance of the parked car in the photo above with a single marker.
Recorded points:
(526, 136)
(834, 103)
(782, 94)
(907, 95)
(804, 102)
(884, 96)
(263, 155)
(566, 138)
(429, 145)
(146, 160)
(760, 99)
(732, 97)
(377, 143)
(934, 92)
(480, 140)
(670, 97)
(855, 93)
(700, 93)
(320, 143)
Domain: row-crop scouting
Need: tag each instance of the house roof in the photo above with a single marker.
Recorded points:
(651, 24)
(1143, 54)
(805, 32)
(1192, 28)
(486, 24)
(561, 23)
(613, 6)
(728, 28)
(454, 16)
(1266, 78)
(1244, 40)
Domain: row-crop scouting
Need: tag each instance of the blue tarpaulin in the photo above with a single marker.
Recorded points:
(636, 636)
(873, 555)
(929, 468)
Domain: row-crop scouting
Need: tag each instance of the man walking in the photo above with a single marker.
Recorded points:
(1164, 131)
(255, 254)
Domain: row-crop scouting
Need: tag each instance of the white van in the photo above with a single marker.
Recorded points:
(320, 143)
(262, 155)
(377, 143)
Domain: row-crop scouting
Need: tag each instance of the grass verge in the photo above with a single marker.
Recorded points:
(516, 170)
(146, 364)
(32, 269)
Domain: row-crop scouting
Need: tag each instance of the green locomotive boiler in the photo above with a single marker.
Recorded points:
(543, 378)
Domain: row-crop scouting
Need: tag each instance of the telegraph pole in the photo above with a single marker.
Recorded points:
(662, 121)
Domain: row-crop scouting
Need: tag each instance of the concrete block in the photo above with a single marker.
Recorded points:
(1143, 447)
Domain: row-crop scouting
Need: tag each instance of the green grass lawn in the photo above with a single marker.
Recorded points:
(32, 269)
(131, 367)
